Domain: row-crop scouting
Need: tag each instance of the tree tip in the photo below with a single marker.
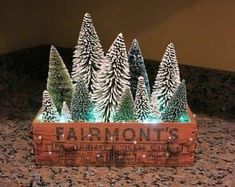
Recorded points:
(171, 44)
(87, 14)
(120, 35)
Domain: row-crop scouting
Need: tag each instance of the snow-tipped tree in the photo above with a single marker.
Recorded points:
(142, 103)
(167, 79)
(81, 105)
(49, 112)
(137, 67)
(126, 111)
(59, 83)
(176, 109)
(88, 55)
(65, 113)
(113, 80)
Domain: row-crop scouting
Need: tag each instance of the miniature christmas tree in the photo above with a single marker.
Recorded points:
(167, 79)
(59, 83)
(88, 55)
(142, 103)
(176, 110)
(116, 78)
(65, 113)
(125, 110)
(81, 105)
(137, 67)
(49, 112)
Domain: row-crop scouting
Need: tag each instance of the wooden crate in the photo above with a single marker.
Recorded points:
(115, 144)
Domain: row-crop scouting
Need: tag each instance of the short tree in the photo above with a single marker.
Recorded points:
(65, 113)
(81, 105)
(142, 103)
(125, 110)
(88, 55)
(49, 112)
(59, 83)
(176, 109)
(115, 78)
(137, 67)
(167, 79)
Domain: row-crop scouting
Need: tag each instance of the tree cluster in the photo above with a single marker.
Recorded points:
(112, 87)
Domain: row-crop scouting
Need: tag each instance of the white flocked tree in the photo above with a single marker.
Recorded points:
(114, 79)
(167, 80)
(65, 113)
(88, 55)
(49, 112)
(142, 103)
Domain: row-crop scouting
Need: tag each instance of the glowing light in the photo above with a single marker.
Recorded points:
(169, 137)
(143, 156)
(183, 118)
(49, 152)
(190, 139)
(62, 135)
(111, 138)
(194, 115)
(167, 154)
(40, 137)
(98, 155)
(135, 142)
(89, 135)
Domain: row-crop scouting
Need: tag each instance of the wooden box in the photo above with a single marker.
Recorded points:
(115, 144)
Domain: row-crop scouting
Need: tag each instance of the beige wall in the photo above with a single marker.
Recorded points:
(203, 30)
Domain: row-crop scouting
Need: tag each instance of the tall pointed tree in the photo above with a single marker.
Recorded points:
(59, 83)
(126, 111)
(176, 109)
(81, 105)
(65, 113)
(88, 55)
(137, 67)
(49, 112)
(116, 78)
(167, 79)
(142, 103)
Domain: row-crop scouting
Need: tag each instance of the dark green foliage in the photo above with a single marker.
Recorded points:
(81, 105)
(137, 67)
(176, 110)
(125, 110)
(59, 83)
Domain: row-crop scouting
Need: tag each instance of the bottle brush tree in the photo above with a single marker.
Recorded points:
(88, 55)
(49, 112)
(81, 105)
(113, 80)
(167, 80)
(137, 67)
(125, 110)
(177, 107)
(59, 83)
(142, 103)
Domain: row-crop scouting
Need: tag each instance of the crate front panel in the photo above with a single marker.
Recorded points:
(114, 144)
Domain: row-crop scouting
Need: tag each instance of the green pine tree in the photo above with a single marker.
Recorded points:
(59, 83)
(126, 110)
(81, 105)
(177, 108)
